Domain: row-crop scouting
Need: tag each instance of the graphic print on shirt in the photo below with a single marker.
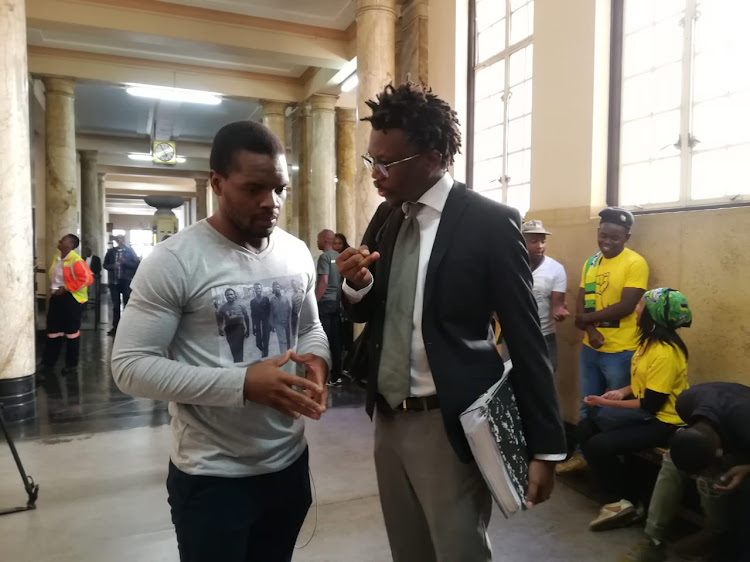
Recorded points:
(259, 319)
(602, 282)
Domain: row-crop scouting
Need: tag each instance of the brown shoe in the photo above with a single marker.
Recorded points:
(614, 516)
(575, 463)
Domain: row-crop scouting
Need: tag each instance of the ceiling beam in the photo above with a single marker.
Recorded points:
(109, 68)
(301, 44)
(158, 172)
(105, 144)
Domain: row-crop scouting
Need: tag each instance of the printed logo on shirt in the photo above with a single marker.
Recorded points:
(602, 282)
(258, 319)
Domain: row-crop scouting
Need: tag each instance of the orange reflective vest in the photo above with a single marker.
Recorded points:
(77, 275)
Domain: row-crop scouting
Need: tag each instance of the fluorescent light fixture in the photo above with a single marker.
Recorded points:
(350, 83)
(173, 94)
(346, 71)
(144, 157)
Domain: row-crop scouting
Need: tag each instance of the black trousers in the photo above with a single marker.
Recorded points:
(63, 325)
(329, 317)
(256, 518)
(603, 451)
(120, 293)
(262, 331)
(235, 335)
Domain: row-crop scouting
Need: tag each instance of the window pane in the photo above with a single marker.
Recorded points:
(520, 100)
(491, 41)
(519, 196)
(650, 182)
(521, 23)
(718, 74)
(519, 167)
(488, 143)
(515, 4)
(722, 26)
(490, 80)
(489, 12)
(519, 134)
(489, 112)
(521, 65)
(652, 47)
(652, 92)
(721, 173)
(649, 138)
(641, 13)
(723, 121)
(487, 174)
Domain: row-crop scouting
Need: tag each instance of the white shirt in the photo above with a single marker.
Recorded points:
(421, 382)
(549, 278)
(58, 279)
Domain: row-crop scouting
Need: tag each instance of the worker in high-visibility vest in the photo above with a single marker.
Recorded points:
(69, 278)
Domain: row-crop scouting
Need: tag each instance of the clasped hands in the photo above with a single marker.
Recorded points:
(266, 383)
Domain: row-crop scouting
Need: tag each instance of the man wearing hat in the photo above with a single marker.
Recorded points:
(550, 283)
(612, 282)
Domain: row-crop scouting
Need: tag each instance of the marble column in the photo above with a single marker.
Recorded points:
(92, 216)
(346, 164)
(301, 146)
(411, 56)
(16, 235)
(274, 117)
(321, 199)
(376, 30)
(101, 183)
(201, 198)
(62, 189)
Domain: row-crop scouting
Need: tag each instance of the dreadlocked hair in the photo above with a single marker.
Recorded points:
(428, 121)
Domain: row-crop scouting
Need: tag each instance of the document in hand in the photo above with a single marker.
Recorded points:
(492, 425)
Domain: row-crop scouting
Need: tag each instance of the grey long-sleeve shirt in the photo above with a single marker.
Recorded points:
(168, 347)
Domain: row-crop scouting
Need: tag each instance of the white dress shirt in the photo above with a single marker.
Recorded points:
(421, 381)
(58, 279)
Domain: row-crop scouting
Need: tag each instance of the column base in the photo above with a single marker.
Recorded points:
(18, 397)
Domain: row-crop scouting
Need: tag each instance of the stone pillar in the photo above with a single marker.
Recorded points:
(411, 56)
(321, 200)
(16, 235)
(92, 209)
(274, 117)
(346, 164)
(376, 29)
(201, 199)
(301, 146)
(62, 192)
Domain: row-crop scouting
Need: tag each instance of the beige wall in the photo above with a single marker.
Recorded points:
(131, 222)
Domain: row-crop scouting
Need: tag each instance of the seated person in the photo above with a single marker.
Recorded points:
(642, 415)
(716, 442)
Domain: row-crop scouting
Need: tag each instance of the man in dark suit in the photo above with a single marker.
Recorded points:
(429, 353)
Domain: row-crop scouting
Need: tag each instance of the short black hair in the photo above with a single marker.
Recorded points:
(242, 135)
(73, 240)
(428, 121)
(692, 450)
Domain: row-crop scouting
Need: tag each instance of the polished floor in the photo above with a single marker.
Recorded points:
(100, 458)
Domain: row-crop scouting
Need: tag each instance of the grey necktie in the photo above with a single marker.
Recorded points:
(395, 365)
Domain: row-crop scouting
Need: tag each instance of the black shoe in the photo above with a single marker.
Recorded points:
(112, 332)
(336, 382)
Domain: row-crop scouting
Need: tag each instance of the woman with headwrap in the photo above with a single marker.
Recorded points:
(641, 415)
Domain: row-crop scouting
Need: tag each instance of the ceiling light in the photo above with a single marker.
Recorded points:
(145, 157)
(174, 94)
(181, 159)
(345, 71)
(350, 83)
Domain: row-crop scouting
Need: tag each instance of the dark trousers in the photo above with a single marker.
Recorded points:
(235, 335)
(120, 293)
(256, 518)
(262, 332)
(63, 325)
(603, 450)
(329, 317)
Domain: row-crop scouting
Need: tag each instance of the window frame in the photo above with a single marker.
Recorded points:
(614, 165)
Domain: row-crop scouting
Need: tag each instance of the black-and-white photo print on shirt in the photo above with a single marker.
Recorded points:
(258, 320)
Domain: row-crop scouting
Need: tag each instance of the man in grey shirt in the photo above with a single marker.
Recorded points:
(328, 293)
(238, 477)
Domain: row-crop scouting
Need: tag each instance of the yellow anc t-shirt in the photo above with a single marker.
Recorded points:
(662, 368)
(628, 269)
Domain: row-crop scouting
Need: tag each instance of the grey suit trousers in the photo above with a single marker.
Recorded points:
(436, 508)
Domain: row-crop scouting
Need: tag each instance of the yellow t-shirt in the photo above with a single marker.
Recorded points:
(628, 269)
(662, 368)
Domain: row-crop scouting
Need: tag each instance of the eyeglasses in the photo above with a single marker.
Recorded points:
(382, 169)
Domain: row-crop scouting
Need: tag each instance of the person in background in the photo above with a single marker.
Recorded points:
(340, 243)
(328, 293)
(550, 284)
(260, 312)
(281, 317)
(715, 449)
(69, 280)
(94, 262)
(612, 283)
(121, 262)
(642, 414)
(346, 326)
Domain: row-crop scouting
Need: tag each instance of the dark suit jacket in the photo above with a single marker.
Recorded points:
(479, 266)
(96, 265)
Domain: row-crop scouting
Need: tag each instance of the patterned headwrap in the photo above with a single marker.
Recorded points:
(668, 308)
